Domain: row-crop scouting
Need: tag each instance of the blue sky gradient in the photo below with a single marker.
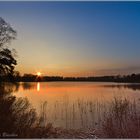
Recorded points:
(75, 38)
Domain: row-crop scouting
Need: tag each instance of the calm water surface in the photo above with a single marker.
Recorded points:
(74, 104)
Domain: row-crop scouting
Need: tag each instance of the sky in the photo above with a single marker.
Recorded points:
(75, 38)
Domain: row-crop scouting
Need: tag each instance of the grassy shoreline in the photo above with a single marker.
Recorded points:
(120, 119)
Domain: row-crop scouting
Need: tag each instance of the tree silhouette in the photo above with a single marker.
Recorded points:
(7, 60)
(6, 33)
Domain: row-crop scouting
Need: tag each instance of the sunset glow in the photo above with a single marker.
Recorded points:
(90, 40)
(38, 73)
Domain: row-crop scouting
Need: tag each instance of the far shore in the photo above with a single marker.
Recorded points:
(132, 78)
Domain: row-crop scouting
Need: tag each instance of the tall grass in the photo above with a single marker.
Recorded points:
(119, 118)
(122, 120)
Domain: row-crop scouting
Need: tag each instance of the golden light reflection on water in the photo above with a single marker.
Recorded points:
(67, 101)
(38, 86)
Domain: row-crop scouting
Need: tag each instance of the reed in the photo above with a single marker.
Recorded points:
(122, 120)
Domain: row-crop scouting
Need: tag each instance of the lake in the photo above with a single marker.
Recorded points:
(74, 104)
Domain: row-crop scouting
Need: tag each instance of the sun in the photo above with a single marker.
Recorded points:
(38, 73)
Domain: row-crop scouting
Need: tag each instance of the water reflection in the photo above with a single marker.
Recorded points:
(78, 108)
(32, 85)
(74, 104)
(27, 85)
(38, 86)
(129, 86)
(16, 115)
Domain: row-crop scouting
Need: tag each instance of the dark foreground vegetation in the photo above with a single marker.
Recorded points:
(122, 120)
(17, 118)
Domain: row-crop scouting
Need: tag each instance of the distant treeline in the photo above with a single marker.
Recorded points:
(133, 78)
